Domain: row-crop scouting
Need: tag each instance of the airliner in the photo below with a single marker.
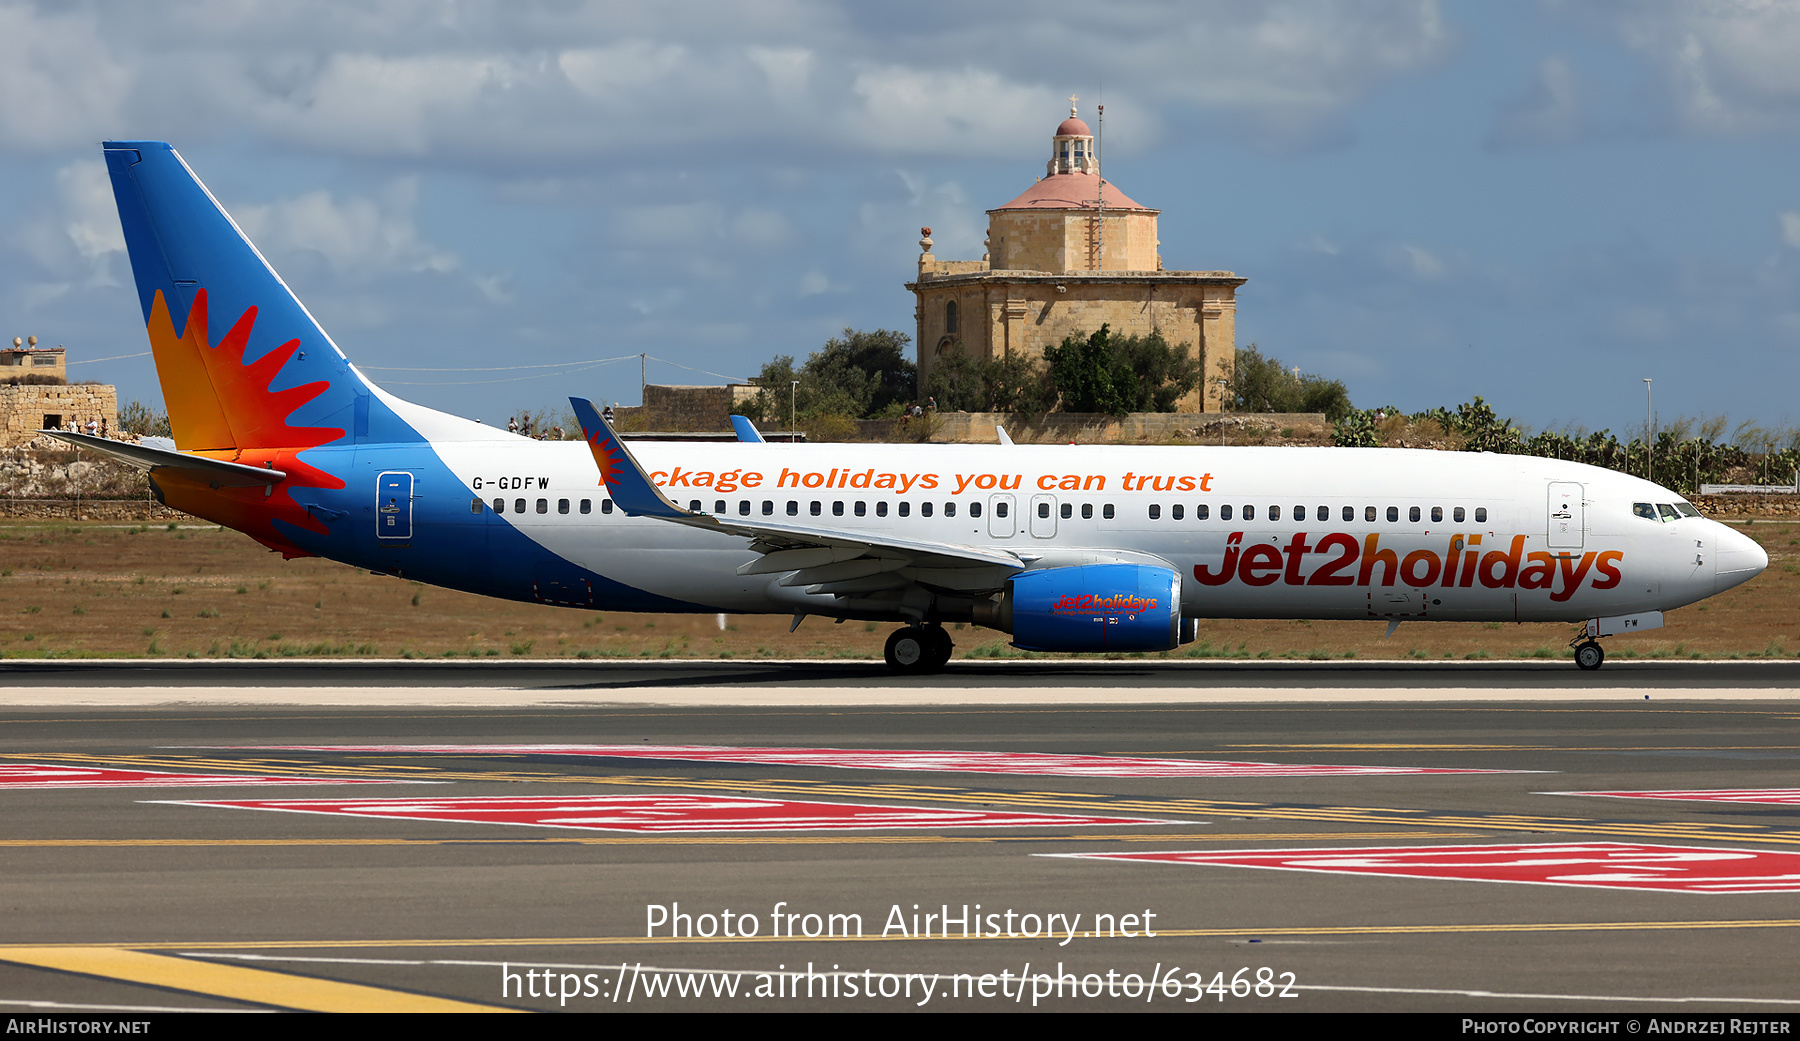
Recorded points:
(1064, 548)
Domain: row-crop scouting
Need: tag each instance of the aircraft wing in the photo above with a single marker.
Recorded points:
(215, 472)
(827, 560)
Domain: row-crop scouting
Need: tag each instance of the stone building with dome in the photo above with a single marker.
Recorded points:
(1069, 255)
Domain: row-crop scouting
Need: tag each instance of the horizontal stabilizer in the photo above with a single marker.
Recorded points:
(216, 472)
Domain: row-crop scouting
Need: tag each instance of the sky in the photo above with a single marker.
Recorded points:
(1542, 202)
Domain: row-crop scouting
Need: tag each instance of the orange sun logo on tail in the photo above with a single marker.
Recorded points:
(222, 407)
(607, 456)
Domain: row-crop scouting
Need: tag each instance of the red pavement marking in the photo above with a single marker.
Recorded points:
(1767, 796)
(1035, 763)
(43, 775)
(671, 814)
(1605, 865)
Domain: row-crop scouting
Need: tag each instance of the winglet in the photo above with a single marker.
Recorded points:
(1005, 439)
(627, 482)
(746, 430)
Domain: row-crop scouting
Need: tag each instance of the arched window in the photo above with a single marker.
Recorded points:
(950, 318)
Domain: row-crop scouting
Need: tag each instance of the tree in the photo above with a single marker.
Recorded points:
(1262, 384)
(1104, 373)
(1009, 383)
(857, 375)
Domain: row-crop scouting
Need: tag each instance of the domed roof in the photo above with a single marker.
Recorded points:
(1072, 191)
(1073, 127)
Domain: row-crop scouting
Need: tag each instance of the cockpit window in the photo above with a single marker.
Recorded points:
(1667, 511)
(1644, 510)
(1686, 509)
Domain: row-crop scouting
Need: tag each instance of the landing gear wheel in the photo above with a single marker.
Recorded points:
(940, 646)
(1589, 656)
(908, 650)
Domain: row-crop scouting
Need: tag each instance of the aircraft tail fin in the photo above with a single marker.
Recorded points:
(243, 365)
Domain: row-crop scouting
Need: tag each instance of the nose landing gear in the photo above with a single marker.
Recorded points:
(1588, 653)
(918, 649)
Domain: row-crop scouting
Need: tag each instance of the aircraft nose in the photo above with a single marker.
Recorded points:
(1737, 560)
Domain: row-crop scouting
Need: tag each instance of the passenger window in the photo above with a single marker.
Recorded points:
(925, 509)
(743, 507)
(1067, 511)
(544, 505)
(1368, 514)
(1202, 511)
(906, 509)
(1413, 515)
(587, 506)
(475, 506)
(881, 508)
(720, 507)
(1300, 513)
(1349, 513)
(1250, 513)
(562, 505)
(693, 506)
(1324, 514)
(999, 509)
(862, 508)
(1155, 512)
(518, 505)
(1225, 512)
(768, 508)
(1481, 514)
(1087, 511)
(949, 509)
(837, 508)
(793, 508)
(1175, 512)
(1458, 515)
(499, 505)
(1437, 514)
(606, 505)
(1106, 512)
(1393, 514)
(816, 508)
(1044, 510)
(974, 509)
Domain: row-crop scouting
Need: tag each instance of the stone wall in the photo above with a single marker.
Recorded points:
(24, 408)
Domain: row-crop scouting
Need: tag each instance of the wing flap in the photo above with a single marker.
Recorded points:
(218, 473)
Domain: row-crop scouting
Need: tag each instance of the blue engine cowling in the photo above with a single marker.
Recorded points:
(1096, 607)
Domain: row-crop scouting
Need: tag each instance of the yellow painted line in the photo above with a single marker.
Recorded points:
(1245, 932)
(737, 840)
(235, 982)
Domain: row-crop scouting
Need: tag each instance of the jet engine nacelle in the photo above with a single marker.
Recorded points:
(1096, 607)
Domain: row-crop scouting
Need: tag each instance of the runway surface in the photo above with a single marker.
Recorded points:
(1512, 855)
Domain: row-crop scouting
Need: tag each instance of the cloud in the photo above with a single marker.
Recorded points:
(1789, 220)
(1724, 67)
(511, 86)
(355, 236)
(1550, 111)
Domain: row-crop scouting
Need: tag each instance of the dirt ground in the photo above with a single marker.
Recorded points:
(86, 590)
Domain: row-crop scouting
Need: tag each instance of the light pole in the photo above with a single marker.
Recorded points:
(1649, 437)
(793, 411)
(1222, 385)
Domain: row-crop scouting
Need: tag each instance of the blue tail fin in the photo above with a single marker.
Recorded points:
(242, 362)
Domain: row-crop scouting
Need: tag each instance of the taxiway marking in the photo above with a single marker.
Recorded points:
(1598, 865)
(1028, 763)
(234, 982)
(1761, 796)
(668, 813)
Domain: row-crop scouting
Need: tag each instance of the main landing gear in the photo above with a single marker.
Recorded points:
(918, 649)
(1588, 654)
